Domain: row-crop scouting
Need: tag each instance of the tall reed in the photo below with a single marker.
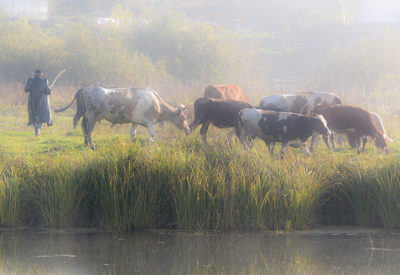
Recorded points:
(10, 190)
(184, 184)
(366, 192)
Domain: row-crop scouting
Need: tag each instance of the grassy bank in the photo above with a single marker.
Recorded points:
(183, 184)
(177, 182)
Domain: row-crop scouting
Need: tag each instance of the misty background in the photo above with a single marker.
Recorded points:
(349, 47)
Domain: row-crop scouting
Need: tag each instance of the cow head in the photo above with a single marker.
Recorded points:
(179, 119)
(380, 143)
(321, 125)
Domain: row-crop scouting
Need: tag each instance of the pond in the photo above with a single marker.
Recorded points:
(176, 252)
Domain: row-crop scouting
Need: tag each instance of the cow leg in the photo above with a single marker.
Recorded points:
(314, 142)
(89, 128)
(364, 142)
(332, 138)
(133, 131)
(152, 132)
(203, 131)
(305, 149)
(358, 143)
(84, 130)
(285, 145)
(246, 141)
(271, 147)
(194, 125)
(250, 141)
(242, 135)
(327, 142)
(340, 139)
(230, 135)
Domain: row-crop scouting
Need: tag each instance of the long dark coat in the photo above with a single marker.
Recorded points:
(38, 101)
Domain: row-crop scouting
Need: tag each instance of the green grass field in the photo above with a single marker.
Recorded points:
(177, 182)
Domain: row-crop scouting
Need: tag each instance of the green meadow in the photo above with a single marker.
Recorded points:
(177, 182)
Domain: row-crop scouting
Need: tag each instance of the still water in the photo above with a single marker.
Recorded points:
(164, 252)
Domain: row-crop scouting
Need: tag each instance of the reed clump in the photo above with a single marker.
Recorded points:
(184, 184)
(366, 192)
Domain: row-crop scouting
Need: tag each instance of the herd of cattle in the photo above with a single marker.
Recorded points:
(290, 119)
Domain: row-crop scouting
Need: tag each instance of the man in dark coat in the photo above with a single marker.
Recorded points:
(38, 101)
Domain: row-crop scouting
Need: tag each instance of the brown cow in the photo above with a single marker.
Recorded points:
(354, 121)
(220, 113)
(379, 123)
(225, 92)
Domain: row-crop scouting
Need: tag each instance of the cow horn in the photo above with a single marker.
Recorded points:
(179, 109)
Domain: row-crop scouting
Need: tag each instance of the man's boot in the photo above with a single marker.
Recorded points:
(37, 131)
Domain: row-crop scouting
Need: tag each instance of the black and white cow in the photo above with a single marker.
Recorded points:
(124, 105)
(288, 128)
(301, 103)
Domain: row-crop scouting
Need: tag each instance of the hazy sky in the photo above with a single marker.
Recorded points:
(381, 11)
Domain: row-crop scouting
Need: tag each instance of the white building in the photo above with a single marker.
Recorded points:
(31, 9)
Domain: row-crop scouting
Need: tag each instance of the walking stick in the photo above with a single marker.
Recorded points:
(55, 79)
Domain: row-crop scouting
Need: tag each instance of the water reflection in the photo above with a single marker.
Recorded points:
(31, 252)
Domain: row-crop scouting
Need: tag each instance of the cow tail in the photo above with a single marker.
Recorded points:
(337, 100)
(69, 105)
(239, 127)
(80, 107)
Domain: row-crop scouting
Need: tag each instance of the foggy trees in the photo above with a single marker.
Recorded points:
(117, 54)
(314, 44)
(191, 51)
(361, 65)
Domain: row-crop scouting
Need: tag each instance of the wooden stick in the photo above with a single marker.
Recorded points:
(55, 79)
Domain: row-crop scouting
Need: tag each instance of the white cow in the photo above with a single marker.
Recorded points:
(379, 123)
(301, 103)
(124, 105)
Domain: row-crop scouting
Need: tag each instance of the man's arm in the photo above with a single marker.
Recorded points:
(28, 85)
(47, 90)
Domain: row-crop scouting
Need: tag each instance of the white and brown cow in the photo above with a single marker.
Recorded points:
(225, 92)
(353, 121)
(124, 105)
(285, 127)
(301, 103)
(220, 113)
